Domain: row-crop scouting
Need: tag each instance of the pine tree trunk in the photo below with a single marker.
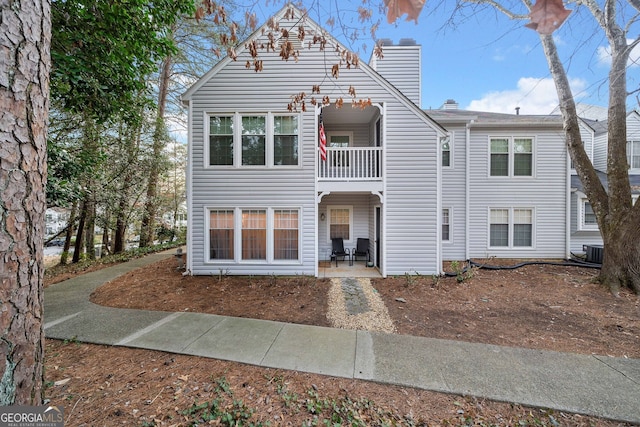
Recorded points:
(24, 92)
(68, 235)
(159, 137)
(77, 249)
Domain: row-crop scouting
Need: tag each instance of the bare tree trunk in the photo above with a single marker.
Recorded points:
(121, 225)
(159, 137)
(618, 221)
(90, 227)
(24, 104)
(69, 234)
(77, 249)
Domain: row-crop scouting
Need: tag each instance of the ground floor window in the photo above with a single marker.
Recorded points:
(446, 218)
(254, 234)
(340, 222)
(265, 234)
(221, 236)
(511, 227)
(285, 234)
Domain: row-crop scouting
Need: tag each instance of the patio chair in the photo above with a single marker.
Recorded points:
(338, 250)
(361, 249)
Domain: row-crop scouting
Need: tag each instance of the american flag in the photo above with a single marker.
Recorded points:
(323, 141)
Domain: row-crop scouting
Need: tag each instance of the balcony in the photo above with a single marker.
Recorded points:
(350, 169)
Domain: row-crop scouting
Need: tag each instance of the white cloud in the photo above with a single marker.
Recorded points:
(532, 95)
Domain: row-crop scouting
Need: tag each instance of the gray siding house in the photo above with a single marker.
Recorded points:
(584, 228)
(261, 199)
(424, 186)
(505, 185)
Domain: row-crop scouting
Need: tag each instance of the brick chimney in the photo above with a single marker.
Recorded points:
(401, 65)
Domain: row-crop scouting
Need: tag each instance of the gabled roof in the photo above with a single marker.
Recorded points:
(366, 68)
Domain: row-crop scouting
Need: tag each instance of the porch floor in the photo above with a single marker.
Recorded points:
(358, 269)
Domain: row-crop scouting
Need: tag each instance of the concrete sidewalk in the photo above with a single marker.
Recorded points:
(601, 386)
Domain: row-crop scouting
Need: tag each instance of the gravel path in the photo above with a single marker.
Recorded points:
(355, 304)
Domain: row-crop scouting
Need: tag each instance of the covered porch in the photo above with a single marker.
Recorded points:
(327, 270)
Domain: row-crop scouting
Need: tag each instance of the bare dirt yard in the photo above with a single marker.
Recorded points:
(538, 306)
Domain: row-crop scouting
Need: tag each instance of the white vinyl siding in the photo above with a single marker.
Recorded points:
(544, 193)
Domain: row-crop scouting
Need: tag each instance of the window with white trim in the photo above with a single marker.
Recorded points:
(511, 156)
(633, 154)
(221, 234)
(254, 234)
(254, 140)
(263, 235)
(285, 140)
(511, 228)
(446, 225)
(445, 145)
(340, 222)
(221, 140)
(285, 234)
(586, 216)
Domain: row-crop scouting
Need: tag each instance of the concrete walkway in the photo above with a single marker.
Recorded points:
(601, 386)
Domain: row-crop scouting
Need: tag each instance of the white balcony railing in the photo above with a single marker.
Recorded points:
(351, 164)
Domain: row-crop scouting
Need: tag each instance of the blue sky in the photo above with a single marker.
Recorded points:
(488, 62)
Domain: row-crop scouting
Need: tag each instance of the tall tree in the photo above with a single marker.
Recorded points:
(25, 36)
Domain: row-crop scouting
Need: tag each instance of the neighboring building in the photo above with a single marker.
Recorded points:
(422, 186)
(584, 228)
(56, 219)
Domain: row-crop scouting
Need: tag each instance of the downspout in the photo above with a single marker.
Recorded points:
(189, 189)
(467, 210)
(383, 220)
(439, 137)
(316, 201)
(567, 225)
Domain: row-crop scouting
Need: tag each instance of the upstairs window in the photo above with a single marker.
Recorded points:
(499, 157)
(445, 145)
(522, 157)
(253, 140)
(285, 140)
(221, 140)
(511, 157)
